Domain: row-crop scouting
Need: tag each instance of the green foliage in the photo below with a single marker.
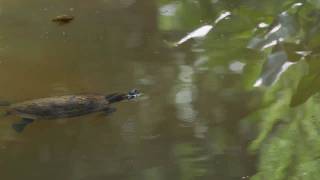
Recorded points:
(308, 85)
(291, 150)
(288, 139)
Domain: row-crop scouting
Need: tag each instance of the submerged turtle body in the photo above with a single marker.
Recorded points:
(60, 107)
(65, 106)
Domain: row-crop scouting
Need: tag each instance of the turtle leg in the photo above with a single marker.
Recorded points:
(19, 126)
(108, 111)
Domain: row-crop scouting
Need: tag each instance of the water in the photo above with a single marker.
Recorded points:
(216, 106)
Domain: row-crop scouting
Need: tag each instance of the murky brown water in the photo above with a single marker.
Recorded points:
(186, 126)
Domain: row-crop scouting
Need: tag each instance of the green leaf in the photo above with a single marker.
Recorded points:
(309, 84)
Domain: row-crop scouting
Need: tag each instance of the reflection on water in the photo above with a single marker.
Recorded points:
(204, 113)
(185, 95)
(202, 31)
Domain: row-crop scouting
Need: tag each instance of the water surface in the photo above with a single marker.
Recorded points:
(226, 105)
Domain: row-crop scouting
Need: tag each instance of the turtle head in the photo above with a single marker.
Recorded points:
(116, 97)
(132, 94)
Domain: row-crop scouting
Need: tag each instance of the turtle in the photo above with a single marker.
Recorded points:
(63, 19)
(65, 106)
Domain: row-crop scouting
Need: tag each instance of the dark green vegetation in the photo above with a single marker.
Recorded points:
(241, 102)
(278, 42)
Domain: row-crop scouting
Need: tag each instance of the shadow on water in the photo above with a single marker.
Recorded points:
(225, 97)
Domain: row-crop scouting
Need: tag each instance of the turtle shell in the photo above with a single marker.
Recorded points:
(59, 107)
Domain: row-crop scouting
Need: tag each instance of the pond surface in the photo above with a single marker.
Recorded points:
(229, 89)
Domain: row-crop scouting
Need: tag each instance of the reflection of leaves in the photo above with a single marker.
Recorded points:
(203, 30)
(251, 72)
(276, 64)
(288, 140)
(295, 51)
(189, 161)
(315, 3)
(308, 85)
(198, 33)
(284, 30)
(270, 117)
(277, 156)
(293, 150)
